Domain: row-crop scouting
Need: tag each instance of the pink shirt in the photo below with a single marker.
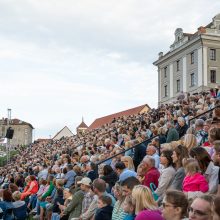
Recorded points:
(149, 215)
(195, 182)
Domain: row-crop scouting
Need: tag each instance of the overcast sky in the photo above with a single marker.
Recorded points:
(64, 59)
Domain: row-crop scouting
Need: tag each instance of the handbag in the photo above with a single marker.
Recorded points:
(153, 188)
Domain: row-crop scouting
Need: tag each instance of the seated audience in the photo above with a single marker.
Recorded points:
(145, 206)
(175, 205)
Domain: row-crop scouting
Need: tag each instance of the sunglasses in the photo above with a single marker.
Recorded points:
(197, 212)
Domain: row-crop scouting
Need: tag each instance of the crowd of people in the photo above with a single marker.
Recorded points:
(172, 173)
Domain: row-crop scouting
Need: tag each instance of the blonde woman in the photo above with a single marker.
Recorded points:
(128, 161)
(145, 206)
(189, 141)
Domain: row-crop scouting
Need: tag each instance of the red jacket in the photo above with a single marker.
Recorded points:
(151, 176)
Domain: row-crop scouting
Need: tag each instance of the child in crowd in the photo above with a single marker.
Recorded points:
(20, 207)
(140, 173)
(194, 182)
(59, 200)
(104, 208)
(129, 208)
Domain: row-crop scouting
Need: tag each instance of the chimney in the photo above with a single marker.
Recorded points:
(160, 55)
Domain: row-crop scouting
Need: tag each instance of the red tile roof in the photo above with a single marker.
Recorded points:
(109, 118)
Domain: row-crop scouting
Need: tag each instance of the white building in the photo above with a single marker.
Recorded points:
(65, 132)
(192, 64)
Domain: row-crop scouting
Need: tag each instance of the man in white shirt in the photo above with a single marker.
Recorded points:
(152, 151)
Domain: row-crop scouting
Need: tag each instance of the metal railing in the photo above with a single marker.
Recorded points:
(198, 116)
(135, 146)
(149, 139)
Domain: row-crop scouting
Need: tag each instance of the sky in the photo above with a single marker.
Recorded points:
(61, 60)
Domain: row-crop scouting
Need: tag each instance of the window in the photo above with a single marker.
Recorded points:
(213, 76)
(165, 91)
(178, 85)
(212, 54)
(177, 65)
(165, 72)
(192, 77)
(192, 58)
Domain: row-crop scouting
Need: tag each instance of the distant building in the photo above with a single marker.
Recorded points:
(109, 118)
(65, 132)
(81, 128)
(22, 131)
(192, 64)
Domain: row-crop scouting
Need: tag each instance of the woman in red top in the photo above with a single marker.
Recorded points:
(31, 187)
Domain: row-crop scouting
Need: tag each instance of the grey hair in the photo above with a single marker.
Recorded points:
(199, 123)
(149, 160)
(181, 119)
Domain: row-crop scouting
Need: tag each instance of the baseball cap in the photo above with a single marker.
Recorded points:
(86, 181)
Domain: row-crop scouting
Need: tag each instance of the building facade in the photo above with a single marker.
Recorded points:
(65, 132)
(22, 131)
(192, 64)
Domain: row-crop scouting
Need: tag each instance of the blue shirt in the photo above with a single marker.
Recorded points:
(127, 173)
(70, 177)
(129, 217)
(157, 160)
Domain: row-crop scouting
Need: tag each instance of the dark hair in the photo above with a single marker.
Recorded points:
(60, 192)
(106, 200)
(64, 170)
(13, 187)
(217, 205)
(178, 199)
(107, 170)
(201, 156)
(32, 178)
(168, 154)
(93, 166)
(120, 166)
(130, 182)
(214, 133)
(69, 166)
(181, 152)
(99, 184)
(7, 195)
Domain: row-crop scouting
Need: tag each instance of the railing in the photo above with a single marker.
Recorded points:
(149, 139)
(137, 145)
(198, 116)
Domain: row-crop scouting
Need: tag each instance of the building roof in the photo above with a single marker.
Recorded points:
(109, 118)
(42, 139)
(61, 131)
(82, 125)
(15, 121)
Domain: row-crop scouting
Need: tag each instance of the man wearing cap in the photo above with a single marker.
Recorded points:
(85, 185)
(74, 208)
